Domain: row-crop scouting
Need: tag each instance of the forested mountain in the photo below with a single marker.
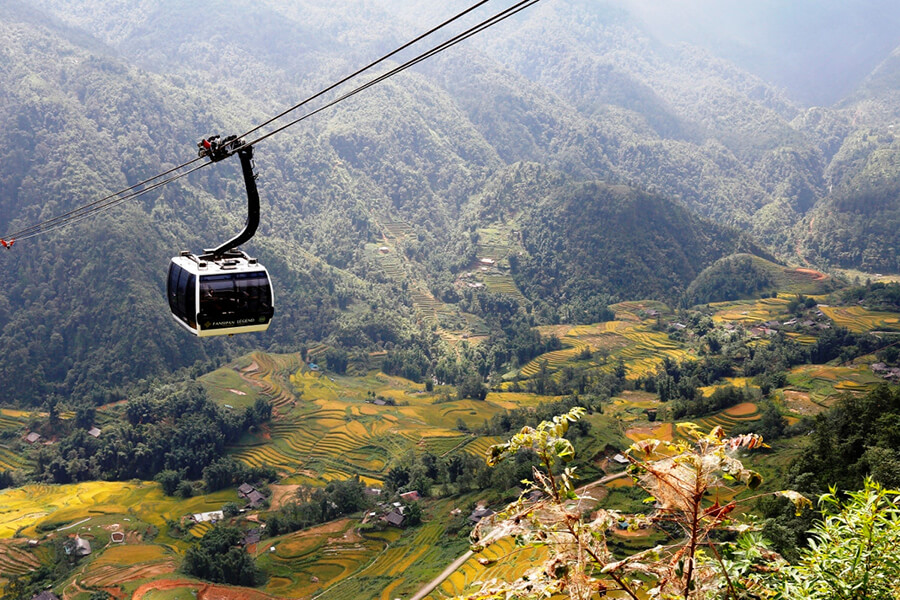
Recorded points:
(98, 96)
(588, 242)
(857, 223)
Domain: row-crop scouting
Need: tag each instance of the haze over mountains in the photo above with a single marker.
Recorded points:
(818, 51)
(571, 121)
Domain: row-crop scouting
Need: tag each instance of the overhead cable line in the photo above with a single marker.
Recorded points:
(140, 188)
(112, 201)
(108, 201)
(367, 67)
(509, 12)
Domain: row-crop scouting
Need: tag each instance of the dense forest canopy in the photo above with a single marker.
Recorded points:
(99, 96)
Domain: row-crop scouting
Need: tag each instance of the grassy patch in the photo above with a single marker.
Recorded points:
(225, 386)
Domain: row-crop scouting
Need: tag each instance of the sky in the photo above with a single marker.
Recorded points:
(818, 51)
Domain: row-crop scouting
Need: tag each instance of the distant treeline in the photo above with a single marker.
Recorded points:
(876, 296)
(314, 505)
(680, 383)
(176, 428)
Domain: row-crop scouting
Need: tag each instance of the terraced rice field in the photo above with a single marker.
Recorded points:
(728, 418)
(11, 461)
(392, 566)
(502, 283)
(308, 562)
(268, 374)
(480, 446)
(78, 507)
(800, 403)
(392, 266)
(121, 564)
(327, 431)
(323, 430)
(395, 229)
(750, 312)
(495, 242)
(390, 260)
(31, 504)
(506, 561)
(511, 400)
(802, 339)
(641, 348)
(200, 529)
(16, 558)
(11, 422)
(738, 382)
(426, 306)
(822, 383)
(859, 320)
(655, 431)
(230, 387)
(803, 281)
(17, 415)
(113, 575)
(632, 310)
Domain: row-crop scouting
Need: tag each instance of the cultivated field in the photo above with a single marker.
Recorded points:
(630, 338)
(821, 384)
(327, 427)
(858, 319)
(749, 312)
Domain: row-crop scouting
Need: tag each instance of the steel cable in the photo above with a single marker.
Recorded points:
(116, 198)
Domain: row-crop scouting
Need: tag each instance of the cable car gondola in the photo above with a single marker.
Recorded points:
(223, 291)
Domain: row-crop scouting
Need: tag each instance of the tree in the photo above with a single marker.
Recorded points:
(472, 387)
(84, 416)
(219, 474)
(678, 475)
(169, 480)
(14, 589)
(185, 489)
(218, 557)
(412, 515)
(853, 552)
(336, 360)
(230, 509)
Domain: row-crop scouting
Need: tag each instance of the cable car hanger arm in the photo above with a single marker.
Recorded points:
(217, 149)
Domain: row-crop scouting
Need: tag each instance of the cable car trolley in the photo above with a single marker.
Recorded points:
(223, 291)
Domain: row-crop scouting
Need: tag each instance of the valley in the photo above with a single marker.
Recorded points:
(331, 427)
(574, 234)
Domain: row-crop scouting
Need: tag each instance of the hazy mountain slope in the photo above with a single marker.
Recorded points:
(84, 308)
(817, 50)
(877, 100)
(857, 224)
(586, 240)
(673, 119)
(100, 95)
(604, 100)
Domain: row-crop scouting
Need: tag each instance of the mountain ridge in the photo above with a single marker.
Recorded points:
(421, 150)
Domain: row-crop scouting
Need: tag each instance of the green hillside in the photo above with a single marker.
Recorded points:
(99, 96)
(744, 276)
(590, 239)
